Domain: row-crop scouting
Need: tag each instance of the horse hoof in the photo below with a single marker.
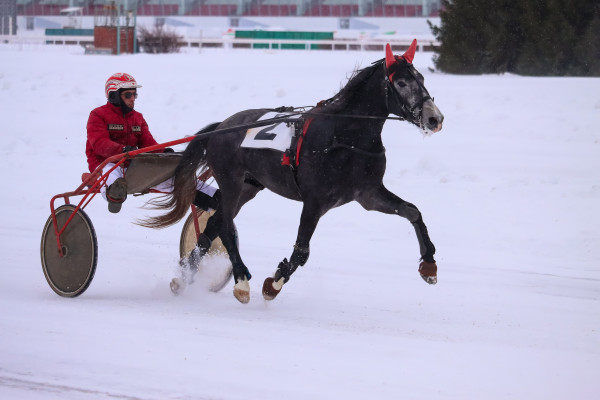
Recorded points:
(241, 291)
(177, 286)
(428, 272)
(271, 288)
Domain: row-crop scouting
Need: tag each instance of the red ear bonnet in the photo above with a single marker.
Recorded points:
(410, 53)
(389, 56)
(408, 56)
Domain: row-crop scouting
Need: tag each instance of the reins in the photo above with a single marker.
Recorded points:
(405, 108)
(335, 115)
(270, 121)
(290, 111)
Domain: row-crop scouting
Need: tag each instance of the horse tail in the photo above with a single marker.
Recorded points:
(184, 187)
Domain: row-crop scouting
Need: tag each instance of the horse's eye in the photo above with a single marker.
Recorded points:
(401, 83)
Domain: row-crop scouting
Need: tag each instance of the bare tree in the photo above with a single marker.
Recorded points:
(159, 39)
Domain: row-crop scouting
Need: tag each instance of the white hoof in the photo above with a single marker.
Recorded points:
(241, 291)
(177, 286)
(277, 285)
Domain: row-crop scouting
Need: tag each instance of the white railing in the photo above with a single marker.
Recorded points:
(336, 44)
(23, 40)
(425, 44)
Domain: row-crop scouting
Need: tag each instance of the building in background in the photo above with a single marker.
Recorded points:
(8, 17)
(220, 8)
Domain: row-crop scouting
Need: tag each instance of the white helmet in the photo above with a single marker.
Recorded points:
(120, 80)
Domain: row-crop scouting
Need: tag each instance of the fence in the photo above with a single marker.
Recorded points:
(398, 45)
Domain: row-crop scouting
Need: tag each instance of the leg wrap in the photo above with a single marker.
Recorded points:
(300, 255)
(427, 248)
(412, 213)
(189, 265)
(204, 244)
(285, 270)
(241, 273)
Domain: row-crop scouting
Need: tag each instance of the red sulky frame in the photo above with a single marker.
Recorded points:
(96, 179)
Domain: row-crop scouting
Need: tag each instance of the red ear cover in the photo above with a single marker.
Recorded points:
(410, 53)
(389, 56)
(408, 56)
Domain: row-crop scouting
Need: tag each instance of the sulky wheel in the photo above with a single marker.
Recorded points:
(188, 242)
(71, 274)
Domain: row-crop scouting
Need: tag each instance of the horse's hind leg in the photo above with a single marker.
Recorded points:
(249, 190)
(387, 202)
(189, 265)
(308, 223)
(211, 232)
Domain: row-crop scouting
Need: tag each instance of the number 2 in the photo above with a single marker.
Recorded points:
(264, 134)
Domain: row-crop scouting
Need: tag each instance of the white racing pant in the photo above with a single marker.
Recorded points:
(163, 187)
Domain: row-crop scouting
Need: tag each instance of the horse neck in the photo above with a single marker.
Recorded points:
(368, 100)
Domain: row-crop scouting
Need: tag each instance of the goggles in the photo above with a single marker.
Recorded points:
(129, 95)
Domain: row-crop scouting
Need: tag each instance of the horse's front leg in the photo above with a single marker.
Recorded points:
(384, 201)
(308, 223)
(238, 196)
(241, 274)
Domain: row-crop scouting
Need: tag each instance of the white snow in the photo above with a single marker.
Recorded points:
(509, 189)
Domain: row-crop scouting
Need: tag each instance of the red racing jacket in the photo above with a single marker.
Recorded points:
(108, 131)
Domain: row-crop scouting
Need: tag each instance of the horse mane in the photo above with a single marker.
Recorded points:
(338, 102)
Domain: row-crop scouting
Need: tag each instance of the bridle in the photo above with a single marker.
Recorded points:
(401, 107)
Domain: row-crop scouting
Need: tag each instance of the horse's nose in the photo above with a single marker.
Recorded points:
(435, 122)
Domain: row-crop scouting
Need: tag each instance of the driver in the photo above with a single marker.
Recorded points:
(116, 128)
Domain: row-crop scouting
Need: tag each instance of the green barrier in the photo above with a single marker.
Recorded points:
(69, 32)
(283, 35)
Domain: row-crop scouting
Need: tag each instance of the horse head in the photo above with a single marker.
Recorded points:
(409, 99)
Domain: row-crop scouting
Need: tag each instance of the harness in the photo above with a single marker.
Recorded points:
(394, 103)
(399, 107)
(291, 156)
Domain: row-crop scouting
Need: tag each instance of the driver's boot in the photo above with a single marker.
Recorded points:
(116, 195)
